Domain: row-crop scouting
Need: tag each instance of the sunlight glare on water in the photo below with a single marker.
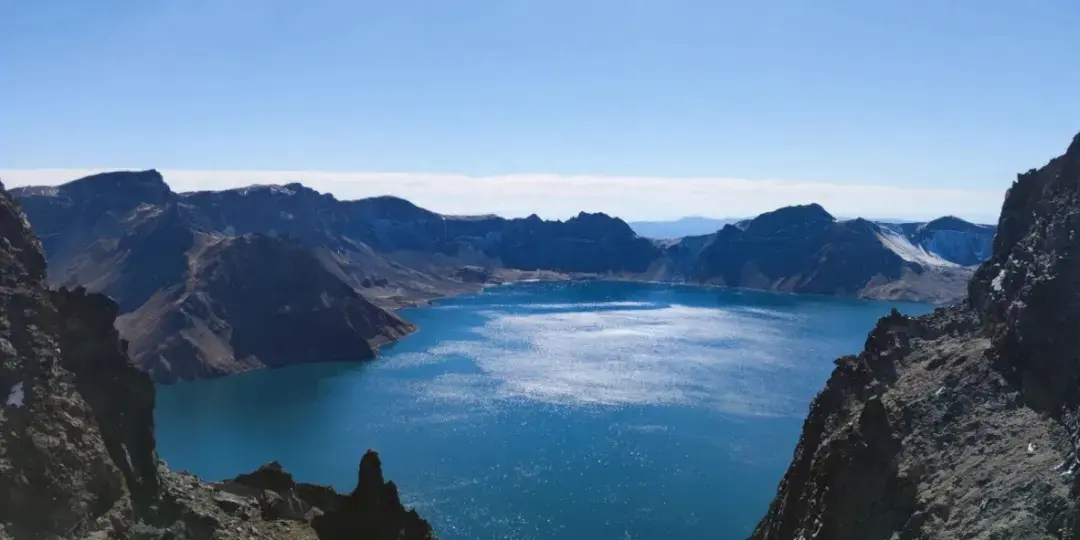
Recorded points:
(548, 410)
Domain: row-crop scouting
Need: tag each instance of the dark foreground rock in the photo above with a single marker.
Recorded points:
(964, 423)
(77, 451)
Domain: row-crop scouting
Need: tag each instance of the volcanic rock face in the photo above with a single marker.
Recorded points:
(202, 304)
(962, 423)
(800, 248)
(251, 302)
(73, 216)
(595, 243)
(950, 238)
(399, 254)
(804, 249)
(77, 451)
(56, 476)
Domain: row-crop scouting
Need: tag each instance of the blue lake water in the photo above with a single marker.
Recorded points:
(548, 410)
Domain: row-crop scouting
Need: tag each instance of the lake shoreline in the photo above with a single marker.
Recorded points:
(624, 394)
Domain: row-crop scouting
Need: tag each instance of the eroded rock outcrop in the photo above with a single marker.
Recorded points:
(251, 302)
(57, 478)
(196, 302)
(77, 451)
(962, 423)
(953, 239)
(805, 249)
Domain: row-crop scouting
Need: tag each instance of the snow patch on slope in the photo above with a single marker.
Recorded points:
(961, 246)
(16, 397)
(901, 246)
(997, 282)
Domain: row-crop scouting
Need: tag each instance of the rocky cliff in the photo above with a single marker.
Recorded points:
(397, 253)
(950, 238)
(201, 278)
(252, 302)
(805, 249)
(196, 302)
(964, 423)
(77, 452)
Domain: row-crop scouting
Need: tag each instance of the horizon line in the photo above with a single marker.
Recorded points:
(557, 196)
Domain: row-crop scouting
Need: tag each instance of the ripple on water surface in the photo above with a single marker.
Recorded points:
(579, 410)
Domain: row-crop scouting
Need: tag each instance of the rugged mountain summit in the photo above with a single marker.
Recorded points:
(805, 249)
(950, 238)
(197, 302)
(71, 217)
(962, 423)
(397, 253)
(77, 451)
(591, 243)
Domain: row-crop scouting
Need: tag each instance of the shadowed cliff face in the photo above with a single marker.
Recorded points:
(804, 249)
(73, 216)
(963, 423)
(595, 243)
(203, 304)
(251, 302)
(801, 249)
(951, 238)
(1027, 292)
(77, 451)
(956, 240)
(56, 475)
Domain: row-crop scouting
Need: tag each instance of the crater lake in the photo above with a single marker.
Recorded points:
(574, 410)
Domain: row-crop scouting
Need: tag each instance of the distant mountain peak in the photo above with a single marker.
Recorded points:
(392, 207)
(599, 224)
(117, 180)
(277, 190)
(812, 215)
(952, 223)
(388, 199)
(148, 186)
(585, 215)
(594, 217)
(803, 212)
(679, 228)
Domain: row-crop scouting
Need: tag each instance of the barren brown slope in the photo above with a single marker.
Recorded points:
(251, 302)
(964, 423)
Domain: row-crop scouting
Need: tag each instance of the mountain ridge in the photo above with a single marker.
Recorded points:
(128, 235)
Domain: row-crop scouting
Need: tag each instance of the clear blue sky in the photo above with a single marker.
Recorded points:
(953, 93)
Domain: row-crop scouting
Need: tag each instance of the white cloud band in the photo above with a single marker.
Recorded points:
(561, 196)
